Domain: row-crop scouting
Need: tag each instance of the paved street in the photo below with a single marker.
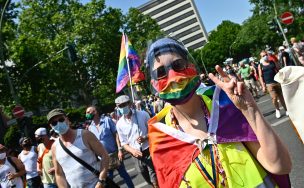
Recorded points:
(281, 126)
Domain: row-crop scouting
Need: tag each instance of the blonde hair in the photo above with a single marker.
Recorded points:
(293, 39)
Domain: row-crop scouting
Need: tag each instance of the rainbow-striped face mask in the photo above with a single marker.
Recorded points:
(176, 85)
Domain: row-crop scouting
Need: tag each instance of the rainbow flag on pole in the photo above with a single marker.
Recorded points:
(128, 57)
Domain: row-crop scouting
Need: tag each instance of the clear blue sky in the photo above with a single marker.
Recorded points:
(212, 12)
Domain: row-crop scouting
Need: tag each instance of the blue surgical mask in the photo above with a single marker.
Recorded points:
(265, 58)
(61, 128)
(125, 110)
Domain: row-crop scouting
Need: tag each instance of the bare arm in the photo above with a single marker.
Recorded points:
(269, 151)
(284, 61)
(59, 174)
(20, 166)
(95, 145)
(136, 153)
(120, 153)
(261, 78)
(39, 164)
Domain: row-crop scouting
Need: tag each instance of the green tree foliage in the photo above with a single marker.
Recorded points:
(11, 138)
(218, 49)
(141, 29)
(254, 36)
(8, 28)
(296, 7)
(46, 27)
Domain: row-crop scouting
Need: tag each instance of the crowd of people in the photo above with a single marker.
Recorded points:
(177, 137)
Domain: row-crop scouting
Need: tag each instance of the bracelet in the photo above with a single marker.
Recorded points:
(102, 182)
(120, 148)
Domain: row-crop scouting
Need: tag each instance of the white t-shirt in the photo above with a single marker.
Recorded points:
(129, 131)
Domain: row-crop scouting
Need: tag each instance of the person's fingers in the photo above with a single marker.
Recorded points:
(240, 87)
(235, 91)
(222, 73)
(216, 80)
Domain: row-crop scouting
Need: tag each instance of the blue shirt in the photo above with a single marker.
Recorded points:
(106, 133)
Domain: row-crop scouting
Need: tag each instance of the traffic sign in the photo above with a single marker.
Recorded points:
(287, 18)
(18, 111)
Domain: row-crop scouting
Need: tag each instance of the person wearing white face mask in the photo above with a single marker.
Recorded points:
(84, 145)
(11, 170)
(132, 129)
(267, 70)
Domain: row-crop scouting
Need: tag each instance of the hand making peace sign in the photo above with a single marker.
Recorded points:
(236, 90)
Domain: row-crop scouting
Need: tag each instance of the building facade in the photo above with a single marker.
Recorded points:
(178, 19)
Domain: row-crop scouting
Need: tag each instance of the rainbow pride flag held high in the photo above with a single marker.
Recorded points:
(128, 57)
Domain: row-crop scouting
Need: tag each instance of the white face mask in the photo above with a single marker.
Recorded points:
(2, 155)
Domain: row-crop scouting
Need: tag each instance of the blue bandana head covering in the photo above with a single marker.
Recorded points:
(162, 46)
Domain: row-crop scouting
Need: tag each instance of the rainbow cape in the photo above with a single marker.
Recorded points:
(173, 151)
(128, 57)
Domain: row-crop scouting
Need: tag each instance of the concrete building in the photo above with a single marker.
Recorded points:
(178, 19)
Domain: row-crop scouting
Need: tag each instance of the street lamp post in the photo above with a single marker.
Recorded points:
(9, 80)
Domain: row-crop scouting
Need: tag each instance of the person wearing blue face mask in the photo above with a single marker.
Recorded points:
(132, 129)
(105, 131)
(84, 145)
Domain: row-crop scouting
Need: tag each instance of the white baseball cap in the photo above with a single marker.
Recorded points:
(281, 48)
(41, 131)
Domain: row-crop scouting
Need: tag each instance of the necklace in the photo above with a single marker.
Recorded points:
(214, 161)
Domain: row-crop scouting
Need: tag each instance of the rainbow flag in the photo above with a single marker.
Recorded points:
(128, 57)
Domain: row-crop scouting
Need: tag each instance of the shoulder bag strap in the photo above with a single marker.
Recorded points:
(109, 182)
(83, 163)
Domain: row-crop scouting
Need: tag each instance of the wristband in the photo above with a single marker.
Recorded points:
(120, 148)
(102, 182)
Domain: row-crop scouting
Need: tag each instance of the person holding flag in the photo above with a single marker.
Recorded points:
(213, 136)
(132, 129)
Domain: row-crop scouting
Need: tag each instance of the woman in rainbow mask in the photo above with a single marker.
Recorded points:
(209, 136)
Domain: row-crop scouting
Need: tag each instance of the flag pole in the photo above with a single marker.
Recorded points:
(128, 65)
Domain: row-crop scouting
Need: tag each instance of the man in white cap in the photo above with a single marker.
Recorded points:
(45, 165)
(132, 129)
(84, 145)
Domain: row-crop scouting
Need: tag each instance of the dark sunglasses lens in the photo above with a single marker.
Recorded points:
(54, 123)
(179, 65)
(161, 72)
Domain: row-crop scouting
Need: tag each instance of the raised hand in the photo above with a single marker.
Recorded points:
(236, 91)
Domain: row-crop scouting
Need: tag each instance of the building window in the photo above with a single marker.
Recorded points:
(164, 8)
(173, 12)
(193, 38)
(187, 32)
(178, 27)
(179, 18)
(151, 5)
(197, 45)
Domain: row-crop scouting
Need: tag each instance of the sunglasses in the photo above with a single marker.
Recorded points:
(123, 105)
(177, 65)
(54, 123)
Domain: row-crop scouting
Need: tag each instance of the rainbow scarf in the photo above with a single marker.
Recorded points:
(128, 57)
(173, 151)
